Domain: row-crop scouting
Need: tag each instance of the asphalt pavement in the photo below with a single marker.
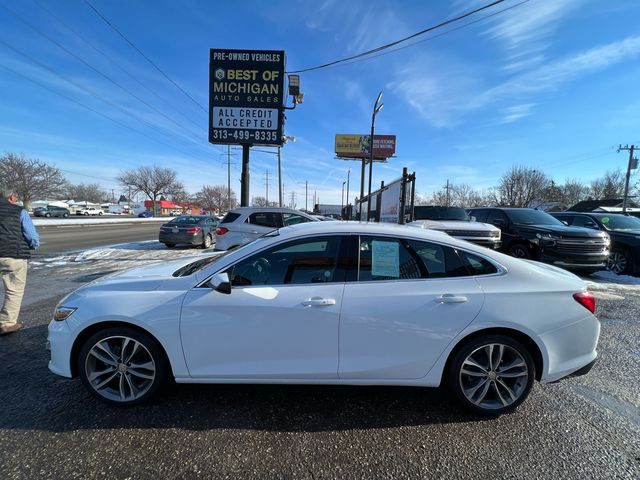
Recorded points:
(581, 428)
(61, 238)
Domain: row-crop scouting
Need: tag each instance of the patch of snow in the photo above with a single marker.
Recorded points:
(41, 222)
(606, 276)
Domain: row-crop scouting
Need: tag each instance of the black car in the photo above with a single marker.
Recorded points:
(624, 231)
(189, 229)
(534, 234)
(51, 211)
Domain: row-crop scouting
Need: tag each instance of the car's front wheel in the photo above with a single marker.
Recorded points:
(492, 374)
(519, 250)
(122, 366)
(619, 262)
(207, 242)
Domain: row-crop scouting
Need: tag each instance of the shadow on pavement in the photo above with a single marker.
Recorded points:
(32, 398)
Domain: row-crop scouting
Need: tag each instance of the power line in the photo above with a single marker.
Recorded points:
(86, 90)
(114, 62)
(144, 56)
(432, 37)
(87, 64)
(389, 45)
(95, 111)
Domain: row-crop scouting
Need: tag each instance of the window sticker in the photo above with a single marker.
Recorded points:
(385, 259)
(605, 219)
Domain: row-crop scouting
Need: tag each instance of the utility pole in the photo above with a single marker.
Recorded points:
(266, 184)
(228, 177)
(306, 194)
(293, 200)
(448, 197)
(279, 178)
(348, 175)
(633, 164)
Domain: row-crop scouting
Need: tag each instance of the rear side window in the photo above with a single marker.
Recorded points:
(230, 217)
(477, 265)
(383, 258)
(293, 219)
(265, 219)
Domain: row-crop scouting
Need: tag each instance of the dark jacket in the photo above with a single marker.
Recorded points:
(12, 241)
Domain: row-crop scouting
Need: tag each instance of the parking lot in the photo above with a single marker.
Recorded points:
(50, 427)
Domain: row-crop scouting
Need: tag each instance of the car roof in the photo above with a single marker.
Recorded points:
(266, 209)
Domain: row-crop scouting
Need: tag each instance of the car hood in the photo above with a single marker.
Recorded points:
(453, 225)
(563, 230)
(141, 279)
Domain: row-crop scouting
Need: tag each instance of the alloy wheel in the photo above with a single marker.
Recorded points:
(519, 252)
(494, 376)
(120, 368)
(617, 262)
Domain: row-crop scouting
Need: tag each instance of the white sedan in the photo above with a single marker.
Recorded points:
(331, 303)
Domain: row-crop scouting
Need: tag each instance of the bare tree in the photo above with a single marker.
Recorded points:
(30, 177)
(178, 193)
(573, 191)
(520, 186)
(212, 198)
(262, 202)
(152, 181)
(465, 196)
(91, 192)
(610, 185)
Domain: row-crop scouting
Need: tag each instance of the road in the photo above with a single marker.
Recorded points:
(50, 427)
(55, 239)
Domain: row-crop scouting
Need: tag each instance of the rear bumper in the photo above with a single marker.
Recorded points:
(175, 238)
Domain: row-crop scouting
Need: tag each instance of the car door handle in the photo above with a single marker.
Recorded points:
(450, 298)
(318, 302)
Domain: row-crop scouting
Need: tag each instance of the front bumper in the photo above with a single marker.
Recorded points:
(60, 343)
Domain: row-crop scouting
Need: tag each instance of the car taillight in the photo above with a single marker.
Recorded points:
(192, 230)
(221, 230)
(587, 300)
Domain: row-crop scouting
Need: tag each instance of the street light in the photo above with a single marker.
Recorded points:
(376, 108)
(342, 201)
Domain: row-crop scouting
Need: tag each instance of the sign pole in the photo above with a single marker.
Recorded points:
(362, 183)
(244, 184)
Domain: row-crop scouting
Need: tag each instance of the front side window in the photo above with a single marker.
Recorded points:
(299, 262)
(265, 219)
(384, 258)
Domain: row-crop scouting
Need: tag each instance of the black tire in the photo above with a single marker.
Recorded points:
(114, 336)
(86, 214)
(492, 402)
(519, 250)
(619, 262)
(170, 245)
(207, 242)
(100, 214)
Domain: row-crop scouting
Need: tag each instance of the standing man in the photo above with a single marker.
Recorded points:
(17, 237)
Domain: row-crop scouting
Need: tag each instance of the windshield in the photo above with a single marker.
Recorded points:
(532, 217)
(440, 213)
(186, 219)
(620, 222)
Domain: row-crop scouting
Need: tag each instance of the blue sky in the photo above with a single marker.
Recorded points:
(551, 84)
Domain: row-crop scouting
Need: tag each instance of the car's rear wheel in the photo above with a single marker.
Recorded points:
(170, 245)
(519, 250)
(86, 214)
(492, 374)
(208, 241)
(47, 215)
(619, 262)
(122, 366)
(65, 215)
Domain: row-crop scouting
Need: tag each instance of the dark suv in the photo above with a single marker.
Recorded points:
(624, 231)
(534, 234)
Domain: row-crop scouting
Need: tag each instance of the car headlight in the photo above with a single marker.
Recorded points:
(62, 313)
(547, 236)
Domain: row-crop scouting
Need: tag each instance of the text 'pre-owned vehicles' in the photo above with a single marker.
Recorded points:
(534, 234)
(456, 222)
(51, 211)
(242, 225)
(624, 231)
(190, 230)
(332, 303)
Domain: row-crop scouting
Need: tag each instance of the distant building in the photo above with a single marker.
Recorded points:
(607, 205)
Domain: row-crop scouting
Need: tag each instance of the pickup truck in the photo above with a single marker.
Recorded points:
(457, 223)
(89, 211)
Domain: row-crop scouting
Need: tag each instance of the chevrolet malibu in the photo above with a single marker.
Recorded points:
(331, 303)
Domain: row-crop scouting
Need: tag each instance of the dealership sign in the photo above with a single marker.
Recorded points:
(357, 146)
(246, 96)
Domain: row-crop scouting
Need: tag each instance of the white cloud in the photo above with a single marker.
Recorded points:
(511, 114)
(445, 91)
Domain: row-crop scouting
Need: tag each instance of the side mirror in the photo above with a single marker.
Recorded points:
(565, 222)
(473, 219)
(499, 222)
(220, 283)
(590, 225)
